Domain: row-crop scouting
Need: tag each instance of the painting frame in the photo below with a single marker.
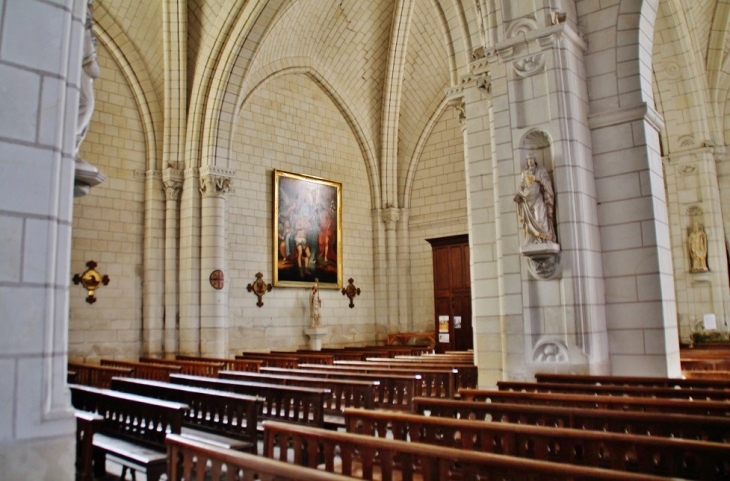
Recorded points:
(307, 228)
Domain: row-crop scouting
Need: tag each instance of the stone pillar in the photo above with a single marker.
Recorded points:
(189, 264)
(153, 290)
(38, 112)
(390, 219)
(173, 181)
(214, 185)
(405, 321)
(382, 327)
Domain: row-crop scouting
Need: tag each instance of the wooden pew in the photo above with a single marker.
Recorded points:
(680, 406)
(633, 381)
(708, 375)
(95, 375)
(668, 425)
(192, 368)
(292, 404)
(133, 431)
(634, 391)
(247, 365)
(87, 424)
(393, 391)
(222, 418)
(684, 458)
(465, 374)
(344, 392)
(307, 357)
(191, 460)
(273, 361)
(145, 370)
(368, 457)
(434, 382)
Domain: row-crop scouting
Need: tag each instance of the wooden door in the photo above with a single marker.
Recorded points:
(452, 293)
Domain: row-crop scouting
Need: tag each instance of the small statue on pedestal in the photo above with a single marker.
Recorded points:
(315, 305)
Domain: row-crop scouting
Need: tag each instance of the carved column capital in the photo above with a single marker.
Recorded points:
(390, 216)
(215, 182)
(172, 180)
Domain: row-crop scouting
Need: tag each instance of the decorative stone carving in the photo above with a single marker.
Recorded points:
(697, 246)
(85, 174)
(529, 65)
(172, 180)
(214, 183)
(390, 217)
(550, 352)
(536, 203)
(484, 82)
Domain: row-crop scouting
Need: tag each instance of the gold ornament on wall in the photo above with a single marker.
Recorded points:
(91, 280)
(259, 288)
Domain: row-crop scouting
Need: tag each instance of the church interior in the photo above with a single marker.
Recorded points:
(540, 187)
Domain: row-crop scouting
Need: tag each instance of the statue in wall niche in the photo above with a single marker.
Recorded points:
(536, 203)
(315, 305)
(697, 244)
(89, 73)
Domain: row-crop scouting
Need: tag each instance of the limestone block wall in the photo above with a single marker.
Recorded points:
(289, 123)
(438, 209)
(108, 225)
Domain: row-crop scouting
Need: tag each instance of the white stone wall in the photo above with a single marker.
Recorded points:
(437, 209)
(290, 124)
(108, 225)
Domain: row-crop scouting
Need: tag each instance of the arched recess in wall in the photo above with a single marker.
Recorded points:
(131, 65)
(257, 79)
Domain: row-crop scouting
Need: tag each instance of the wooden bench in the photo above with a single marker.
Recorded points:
(273, 361)
(601, 390)
(465, 374)
(434, 382)
(134, 429)
(143, 370)
(708, 375)
(680, 406)
(192, 368)
(307, 357)
(95, 375)
(393, 391)
(248, 365)
(633, 381)
(344, 392)
(368, 457)
(669, 425)
(293, 404)
(87, 424)
(222, 418)
(190, 460)
(404, 338)
(688, 459)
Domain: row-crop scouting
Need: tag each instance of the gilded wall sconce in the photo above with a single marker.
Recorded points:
(259, 288)
(351, 291)
(91, 280)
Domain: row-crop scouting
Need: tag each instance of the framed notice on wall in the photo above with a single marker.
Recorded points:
(444, 324)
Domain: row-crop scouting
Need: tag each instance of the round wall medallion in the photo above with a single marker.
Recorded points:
(216, 279)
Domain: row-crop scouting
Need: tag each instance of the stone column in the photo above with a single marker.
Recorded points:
(189, 264)
(405, 321)
(173, 181)
(153, 290)
(390, 219)
(214, 185)
(380, 290)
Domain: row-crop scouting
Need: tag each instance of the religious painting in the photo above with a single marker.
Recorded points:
(307, 231)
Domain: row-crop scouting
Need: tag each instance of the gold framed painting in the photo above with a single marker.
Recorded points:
(307, 231)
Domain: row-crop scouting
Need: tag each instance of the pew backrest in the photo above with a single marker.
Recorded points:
(248, 365)
(95, 375)
(614, 390)
(145, 370)
(192, 368)
(632, 381)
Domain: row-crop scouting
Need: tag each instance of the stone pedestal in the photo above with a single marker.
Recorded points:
(316, 334)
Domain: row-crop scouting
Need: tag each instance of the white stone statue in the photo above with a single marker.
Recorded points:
(697, 244)
(315, 304)
(89, 73)
(536, 203)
